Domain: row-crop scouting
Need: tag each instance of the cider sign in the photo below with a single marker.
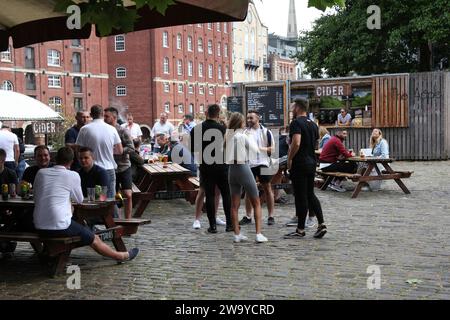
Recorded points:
(331, 90)
(44, 127)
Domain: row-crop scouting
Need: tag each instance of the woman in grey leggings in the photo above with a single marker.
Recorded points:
(238, 149)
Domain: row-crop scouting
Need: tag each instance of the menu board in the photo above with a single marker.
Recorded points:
(234, 104)
(269, 101)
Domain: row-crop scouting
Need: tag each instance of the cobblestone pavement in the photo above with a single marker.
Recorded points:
(407, 236)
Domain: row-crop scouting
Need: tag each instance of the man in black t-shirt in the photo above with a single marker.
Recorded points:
(42, 157)
(91, 174)
(304, 135)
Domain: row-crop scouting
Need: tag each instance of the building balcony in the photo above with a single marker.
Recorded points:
(250, 63)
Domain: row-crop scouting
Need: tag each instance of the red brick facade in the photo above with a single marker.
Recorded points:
(281, 68)
(147, 81)
(14, 70)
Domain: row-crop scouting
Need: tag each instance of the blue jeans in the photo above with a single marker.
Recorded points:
(20, 169)
(112, 188)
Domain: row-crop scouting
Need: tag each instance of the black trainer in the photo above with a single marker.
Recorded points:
(229, 228)
(245, 220)
(321, 230)
(271, 221)
(212, 229)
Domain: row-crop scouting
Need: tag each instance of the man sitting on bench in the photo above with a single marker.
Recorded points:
(332, 159)
(53, 189)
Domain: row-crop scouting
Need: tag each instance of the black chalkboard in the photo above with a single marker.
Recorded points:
(234, 104)
(269, 101)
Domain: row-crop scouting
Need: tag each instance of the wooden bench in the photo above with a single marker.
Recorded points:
(329, 176)
(135, 189)
(403, 174)
(195, 181)
(130, 226)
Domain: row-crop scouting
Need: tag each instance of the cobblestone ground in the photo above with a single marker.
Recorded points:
(407, 236)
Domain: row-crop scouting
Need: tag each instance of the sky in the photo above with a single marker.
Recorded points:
(274, 15)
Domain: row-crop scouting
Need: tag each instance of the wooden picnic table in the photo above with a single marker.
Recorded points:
(163, 182)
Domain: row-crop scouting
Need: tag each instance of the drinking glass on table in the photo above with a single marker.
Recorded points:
(103, 194)
(91, 194)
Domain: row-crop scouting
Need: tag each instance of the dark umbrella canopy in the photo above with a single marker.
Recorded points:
(34, 21)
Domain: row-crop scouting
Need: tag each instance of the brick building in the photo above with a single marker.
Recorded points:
(68, 75)
(281, 68)
(177, 69)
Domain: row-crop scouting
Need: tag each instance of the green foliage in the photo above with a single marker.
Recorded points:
(56, 140)
(362, 101)
(324, 4)
(331, 103)
(340, 43)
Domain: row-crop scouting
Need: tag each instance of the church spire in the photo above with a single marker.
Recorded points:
(292, 31)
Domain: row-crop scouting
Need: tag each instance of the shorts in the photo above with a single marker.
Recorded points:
(75, 229)
(261, 178)
(124, 180)
(240, 177)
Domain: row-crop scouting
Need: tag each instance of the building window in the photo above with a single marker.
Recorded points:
(191, 108)
(225, 50)
(166, 87)
(119, 42)
(189, 43)
(210, 71)
(78, 104)
(227, 73)
(55, 103)
(5, 56)
(166, 65)
(121, 72)
(190, 68)
(180, 108)
(209, 26)
(218, 26)
(200, 70)
(54, 81)
(219, 72)
(180, 88)
(76, 43)
(180, 67)
(77, 85)
(179, 41)
(211, 90)
(199, 25)
(7, 85)
(53, 58)
(191, 89)
(202, 108)
(200, 45)
(121, 91)
(29, 58)
(76, 62)
(167, 107)
(30, 81)
(201, 90)
(225, 27)
(219, 49)
(165, 39)
(210, 47)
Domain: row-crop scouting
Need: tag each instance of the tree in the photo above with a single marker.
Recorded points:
(414, 36)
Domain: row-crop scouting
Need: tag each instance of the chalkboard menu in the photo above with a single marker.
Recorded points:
(269, 101)
(234, 104)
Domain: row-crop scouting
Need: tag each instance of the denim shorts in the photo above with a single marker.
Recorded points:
(75, 229)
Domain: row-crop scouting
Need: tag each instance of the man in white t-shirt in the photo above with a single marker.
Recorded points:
(105, 142)
(133, 128)
(9, 143)
(344, 118)
(162, 126)
(54, 188)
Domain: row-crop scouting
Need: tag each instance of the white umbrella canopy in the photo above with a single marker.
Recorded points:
(17, 106)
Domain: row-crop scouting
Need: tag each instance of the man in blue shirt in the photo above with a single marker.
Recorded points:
(90, 173)
(70, 138)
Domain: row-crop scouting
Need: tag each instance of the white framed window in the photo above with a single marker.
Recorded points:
(53, 58)
(225, 50)
(166, 65)
(190, 68)
(54, 81)
(191, 108)
(210, 71)
(5, 56)
(211, 91)
(76, 43)
(77, 85)
(78, 104)
(180, 88)
(167, 107)
(219, 49)
(7, 85)
(179, 41)
(180, 108)
(55, 103)
(191, 89)
(200, 45)
(201, 90)
(202, 108)
(219, 72)
(218, 26)
(121, 91)
(199, 25)
(225, 27)
(210, 47)
(165, 39)
(76, 62)
(200, 69)
(180, 67)
(209, 26)
(227, 73)
(119, 43)
(121, 72)
(166, 87)
(189, 43)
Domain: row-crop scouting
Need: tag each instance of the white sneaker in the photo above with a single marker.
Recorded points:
(261, 238)
(337, 188)
(220, 222)
(240, 237)
(365, 188)
(309, 223)
(196, 224)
